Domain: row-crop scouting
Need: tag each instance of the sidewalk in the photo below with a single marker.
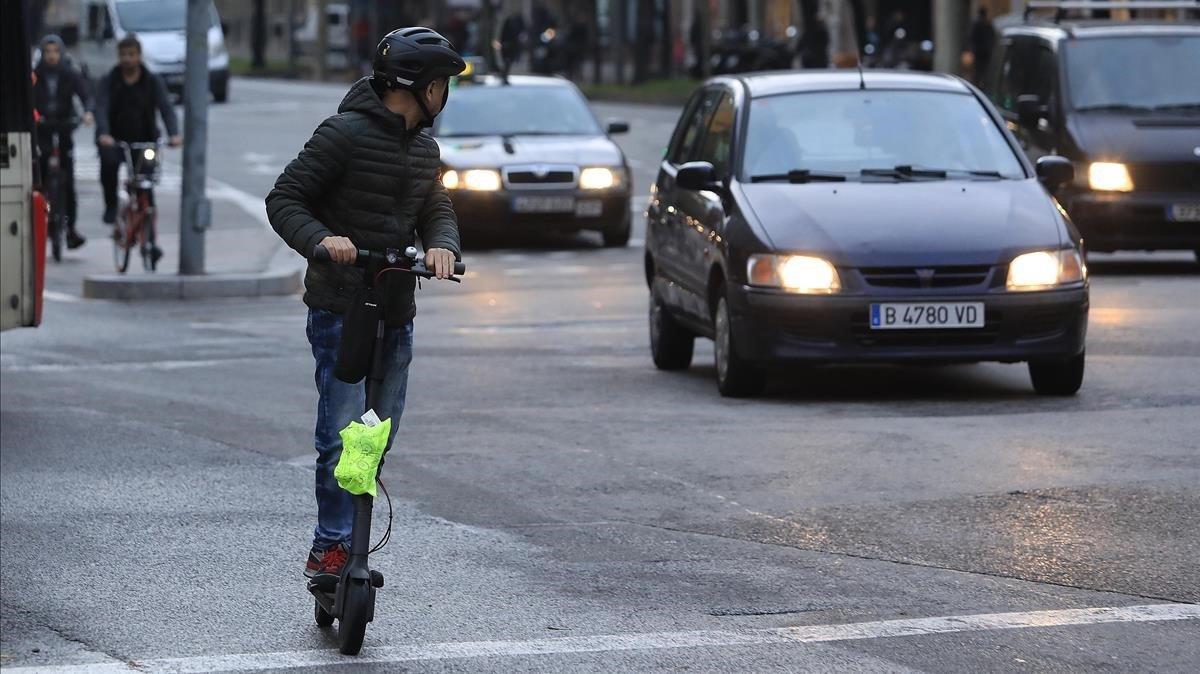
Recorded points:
(243, 256)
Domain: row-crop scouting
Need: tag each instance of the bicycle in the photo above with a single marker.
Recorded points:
(350, 596)
(137, 218)
(55, 185)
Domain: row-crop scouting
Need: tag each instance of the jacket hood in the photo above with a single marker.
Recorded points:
(62, 50)
(940, 222)
(362, 98)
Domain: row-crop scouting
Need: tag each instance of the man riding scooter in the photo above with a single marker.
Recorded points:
(367, 179)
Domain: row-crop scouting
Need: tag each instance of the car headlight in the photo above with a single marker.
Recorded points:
(597, 178)
(476, 180)
(1109, 177)
(1045, 269)
(797, 273)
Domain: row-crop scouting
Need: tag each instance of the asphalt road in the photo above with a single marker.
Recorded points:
(561, 505)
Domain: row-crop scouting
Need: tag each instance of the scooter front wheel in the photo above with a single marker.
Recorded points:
(356, 612)
(321, 615)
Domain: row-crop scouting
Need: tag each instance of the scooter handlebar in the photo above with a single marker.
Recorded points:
(321, 254)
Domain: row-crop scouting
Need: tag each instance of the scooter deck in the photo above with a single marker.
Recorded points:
(324, 583)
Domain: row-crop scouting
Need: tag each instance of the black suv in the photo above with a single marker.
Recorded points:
(1120, 99)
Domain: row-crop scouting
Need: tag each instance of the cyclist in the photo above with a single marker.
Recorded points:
(128, 100)
(368, 178)
(57, 86)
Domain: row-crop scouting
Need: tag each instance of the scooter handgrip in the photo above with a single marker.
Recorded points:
(459, 268)
(320, 253)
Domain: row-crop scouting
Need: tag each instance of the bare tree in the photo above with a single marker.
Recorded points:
(619, 38)
(667, 52)
(643, 41)
(597, 49)
(487, 33)
(258, 35)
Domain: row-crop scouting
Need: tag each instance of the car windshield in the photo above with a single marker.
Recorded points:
(148, 16)
(516, 110)
(1134, 72)
(852, 131)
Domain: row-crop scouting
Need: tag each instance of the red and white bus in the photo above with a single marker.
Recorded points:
(22, 208)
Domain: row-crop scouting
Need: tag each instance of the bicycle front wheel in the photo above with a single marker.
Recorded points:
(58, 228)
(149, 243)
(122, 240)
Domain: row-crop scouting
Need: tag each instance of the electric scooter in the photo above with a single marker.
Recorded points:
(350, 597)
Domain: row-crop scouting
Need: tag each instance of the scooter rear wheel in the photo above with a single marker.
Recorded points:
(321, 615)
(353, 624)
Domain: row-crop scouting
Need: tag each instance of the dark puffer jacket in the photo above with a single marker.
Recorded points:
(366, 176)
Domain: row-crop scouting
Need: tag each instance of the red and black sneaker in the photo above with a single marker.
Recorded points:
(329, 561)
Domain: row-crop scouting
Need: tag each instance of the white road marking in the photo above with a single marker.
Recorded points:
(883, 629)
(55, 296)
(255, 207)
(163, 365)
(87, 169)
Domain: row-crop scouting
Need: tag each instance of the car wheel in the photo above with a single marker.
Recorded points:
(220, 90)
(671, 344)
(736, 377)
(1057, 377)
(617, 237)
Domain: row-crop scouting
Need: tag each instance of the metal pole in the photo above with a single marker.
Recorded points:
(195, 214)
(949, 26)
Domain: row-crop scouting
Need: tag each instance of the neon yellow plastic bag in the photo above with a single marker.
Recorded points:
(362, 450)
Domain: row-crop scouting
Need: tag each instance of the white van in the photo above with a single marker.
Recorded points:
(161, 27)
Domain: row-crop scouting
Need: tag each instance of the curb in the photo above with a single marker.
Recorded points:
(174, 287)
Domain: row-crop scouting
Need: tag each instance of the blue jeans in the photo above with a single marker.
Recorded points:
(339, 404)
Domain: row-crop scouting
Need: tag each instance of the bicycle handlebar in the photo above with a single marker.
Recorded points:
(390, 259)
(60, 124)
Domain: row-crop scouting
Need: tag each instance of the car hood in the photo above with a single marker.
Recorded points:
(1135, 138)
(489, 151)
(876, 224)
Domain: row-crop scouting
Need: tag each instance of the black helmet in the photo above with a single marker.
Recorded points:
(411, 58)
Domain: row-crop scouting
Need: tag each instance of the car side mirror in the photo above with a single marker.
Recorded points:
(699, 176)
(1029, 110)
(1055, 171)
(617, 126)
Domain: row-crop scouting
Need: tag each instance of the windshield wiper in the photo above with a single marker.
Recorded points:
(800, 176)
(1178, 106)
(904, 172)
(1114, 106)
(908, 172)
(978, 174)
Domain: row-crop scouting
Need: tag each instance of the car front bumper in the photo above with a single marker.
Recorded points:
(778, 326)
(175, 80)
(494, 212)
(1132, 220)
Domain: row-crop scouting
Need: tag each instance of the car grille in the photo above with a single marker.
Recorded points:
(867, 337)
(1166, 177)
(925, 277)
(531, 177)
